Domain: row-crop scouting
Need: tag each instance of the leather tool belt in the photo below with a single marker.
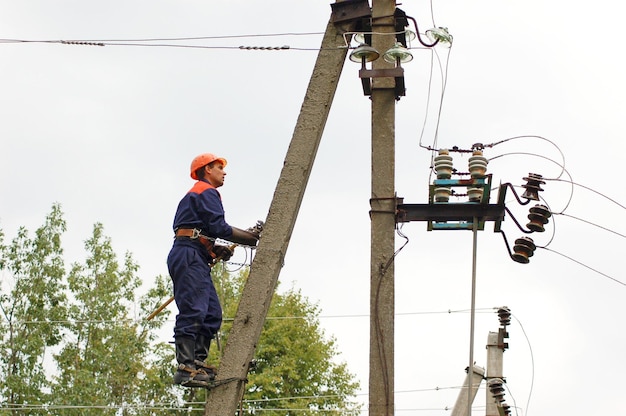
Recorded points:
(194, 234)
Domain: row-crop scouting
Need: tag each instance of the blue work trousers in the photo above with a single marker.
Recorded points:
(199, 309)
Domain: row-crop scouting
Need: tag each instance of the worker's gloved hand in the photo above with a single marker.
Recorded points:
(222, 252)
(255, 232)
(245, 237)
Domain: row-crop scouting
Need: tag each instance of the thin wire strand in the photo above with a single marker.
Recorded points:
(255, 35)
(589, 189)
(563, 171)
(584, 265)
(271, 318)
(533, 137)
(532, 364)
(174, 39)
(593, 224)
(432, 13)
(166, 45)
(444, 82)
(428, 99)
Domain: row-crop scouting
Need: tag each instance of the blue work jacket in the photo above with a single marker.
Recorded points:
(202, 208)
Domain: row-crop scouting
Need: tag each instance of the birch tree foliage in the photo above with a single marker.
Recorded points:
(109, 358)
(296, 367)
(32, 308)
(72, 342)
(75, 342)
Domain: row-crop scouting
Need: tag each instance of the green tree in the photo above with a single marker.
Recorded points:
(296, 366)
(109, 359)
(32, 304)
(71, 343)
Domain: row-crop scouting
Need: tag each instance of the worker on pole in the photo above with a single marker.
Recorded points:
(198, 222)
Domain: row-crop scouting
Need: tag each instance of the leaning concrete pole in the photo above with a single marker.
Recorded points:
(257, 294)
(464, 400)
(382, 214)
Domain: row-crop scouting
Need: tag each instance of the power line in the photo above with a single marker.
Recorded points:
(254, 35)
(189, 405)
(148, 44)
(584, 265)
(270, 318)
(163, 39)
(589, 189)
(593, 224)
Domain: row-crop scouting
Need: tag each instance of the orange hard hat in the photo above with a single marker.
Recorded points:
(203, 160)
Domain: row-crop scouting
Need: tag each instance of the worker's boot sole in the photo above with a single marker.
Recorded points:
(210, 370)
(188, 377)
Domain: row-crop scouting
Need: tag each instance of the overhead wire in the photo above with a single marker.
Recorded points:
(570, 198)
(250, 35)
(593, 224)
(444, 81)
(532, 363)
(561, 164)
(443, 71)
(584, 265)
(150, 42)
(553, 235)
(529, 136)
(169, 39)
(157, 407)
(188, 405)
(228, 319)
(589, 189)
(564, 171)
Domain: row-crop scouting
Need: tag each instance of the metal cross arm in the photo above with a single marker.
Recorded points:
(455, 216)
(441, 213)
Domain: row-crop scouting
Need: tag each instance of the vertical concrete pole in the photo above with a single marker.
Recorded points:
(224, 398)
(382, 215)
(495, 358)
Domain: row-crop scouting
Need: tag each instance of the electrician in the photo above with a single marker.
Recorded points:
(199, 220)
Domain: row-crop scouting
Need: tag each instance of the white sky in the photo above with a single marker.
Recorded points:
(109, 133)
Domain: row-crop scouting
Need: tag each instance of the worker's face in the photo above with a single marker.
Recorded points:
(215, 174)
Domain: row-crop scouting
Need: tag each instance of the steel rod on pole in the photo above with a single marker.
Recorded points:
(472, 313)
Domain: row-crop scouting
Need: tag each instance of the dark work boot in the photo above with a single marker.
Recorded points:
(188, 374)
(203, 344)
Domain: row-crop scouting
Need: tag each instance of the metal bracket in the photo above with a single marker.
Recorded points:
(348, 10)
(397, 73)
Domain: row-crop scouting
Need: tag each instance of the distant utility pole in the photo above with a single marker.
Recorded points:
(494, 370)
(382, 214)
(464, 400)
(496, 345)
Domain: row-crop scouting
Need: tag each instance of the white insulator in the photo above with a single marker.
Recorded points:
(477, 164)
(442, 194)
(475, 194)
(443, 164)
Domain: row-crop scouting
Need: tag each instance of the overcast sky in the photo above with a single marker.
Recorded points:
(109, 133)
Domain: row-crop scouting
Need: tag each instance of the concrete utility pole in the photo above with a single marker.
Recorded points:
(464, 400)
(495, 356)
(382, 214)
(257, 294)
